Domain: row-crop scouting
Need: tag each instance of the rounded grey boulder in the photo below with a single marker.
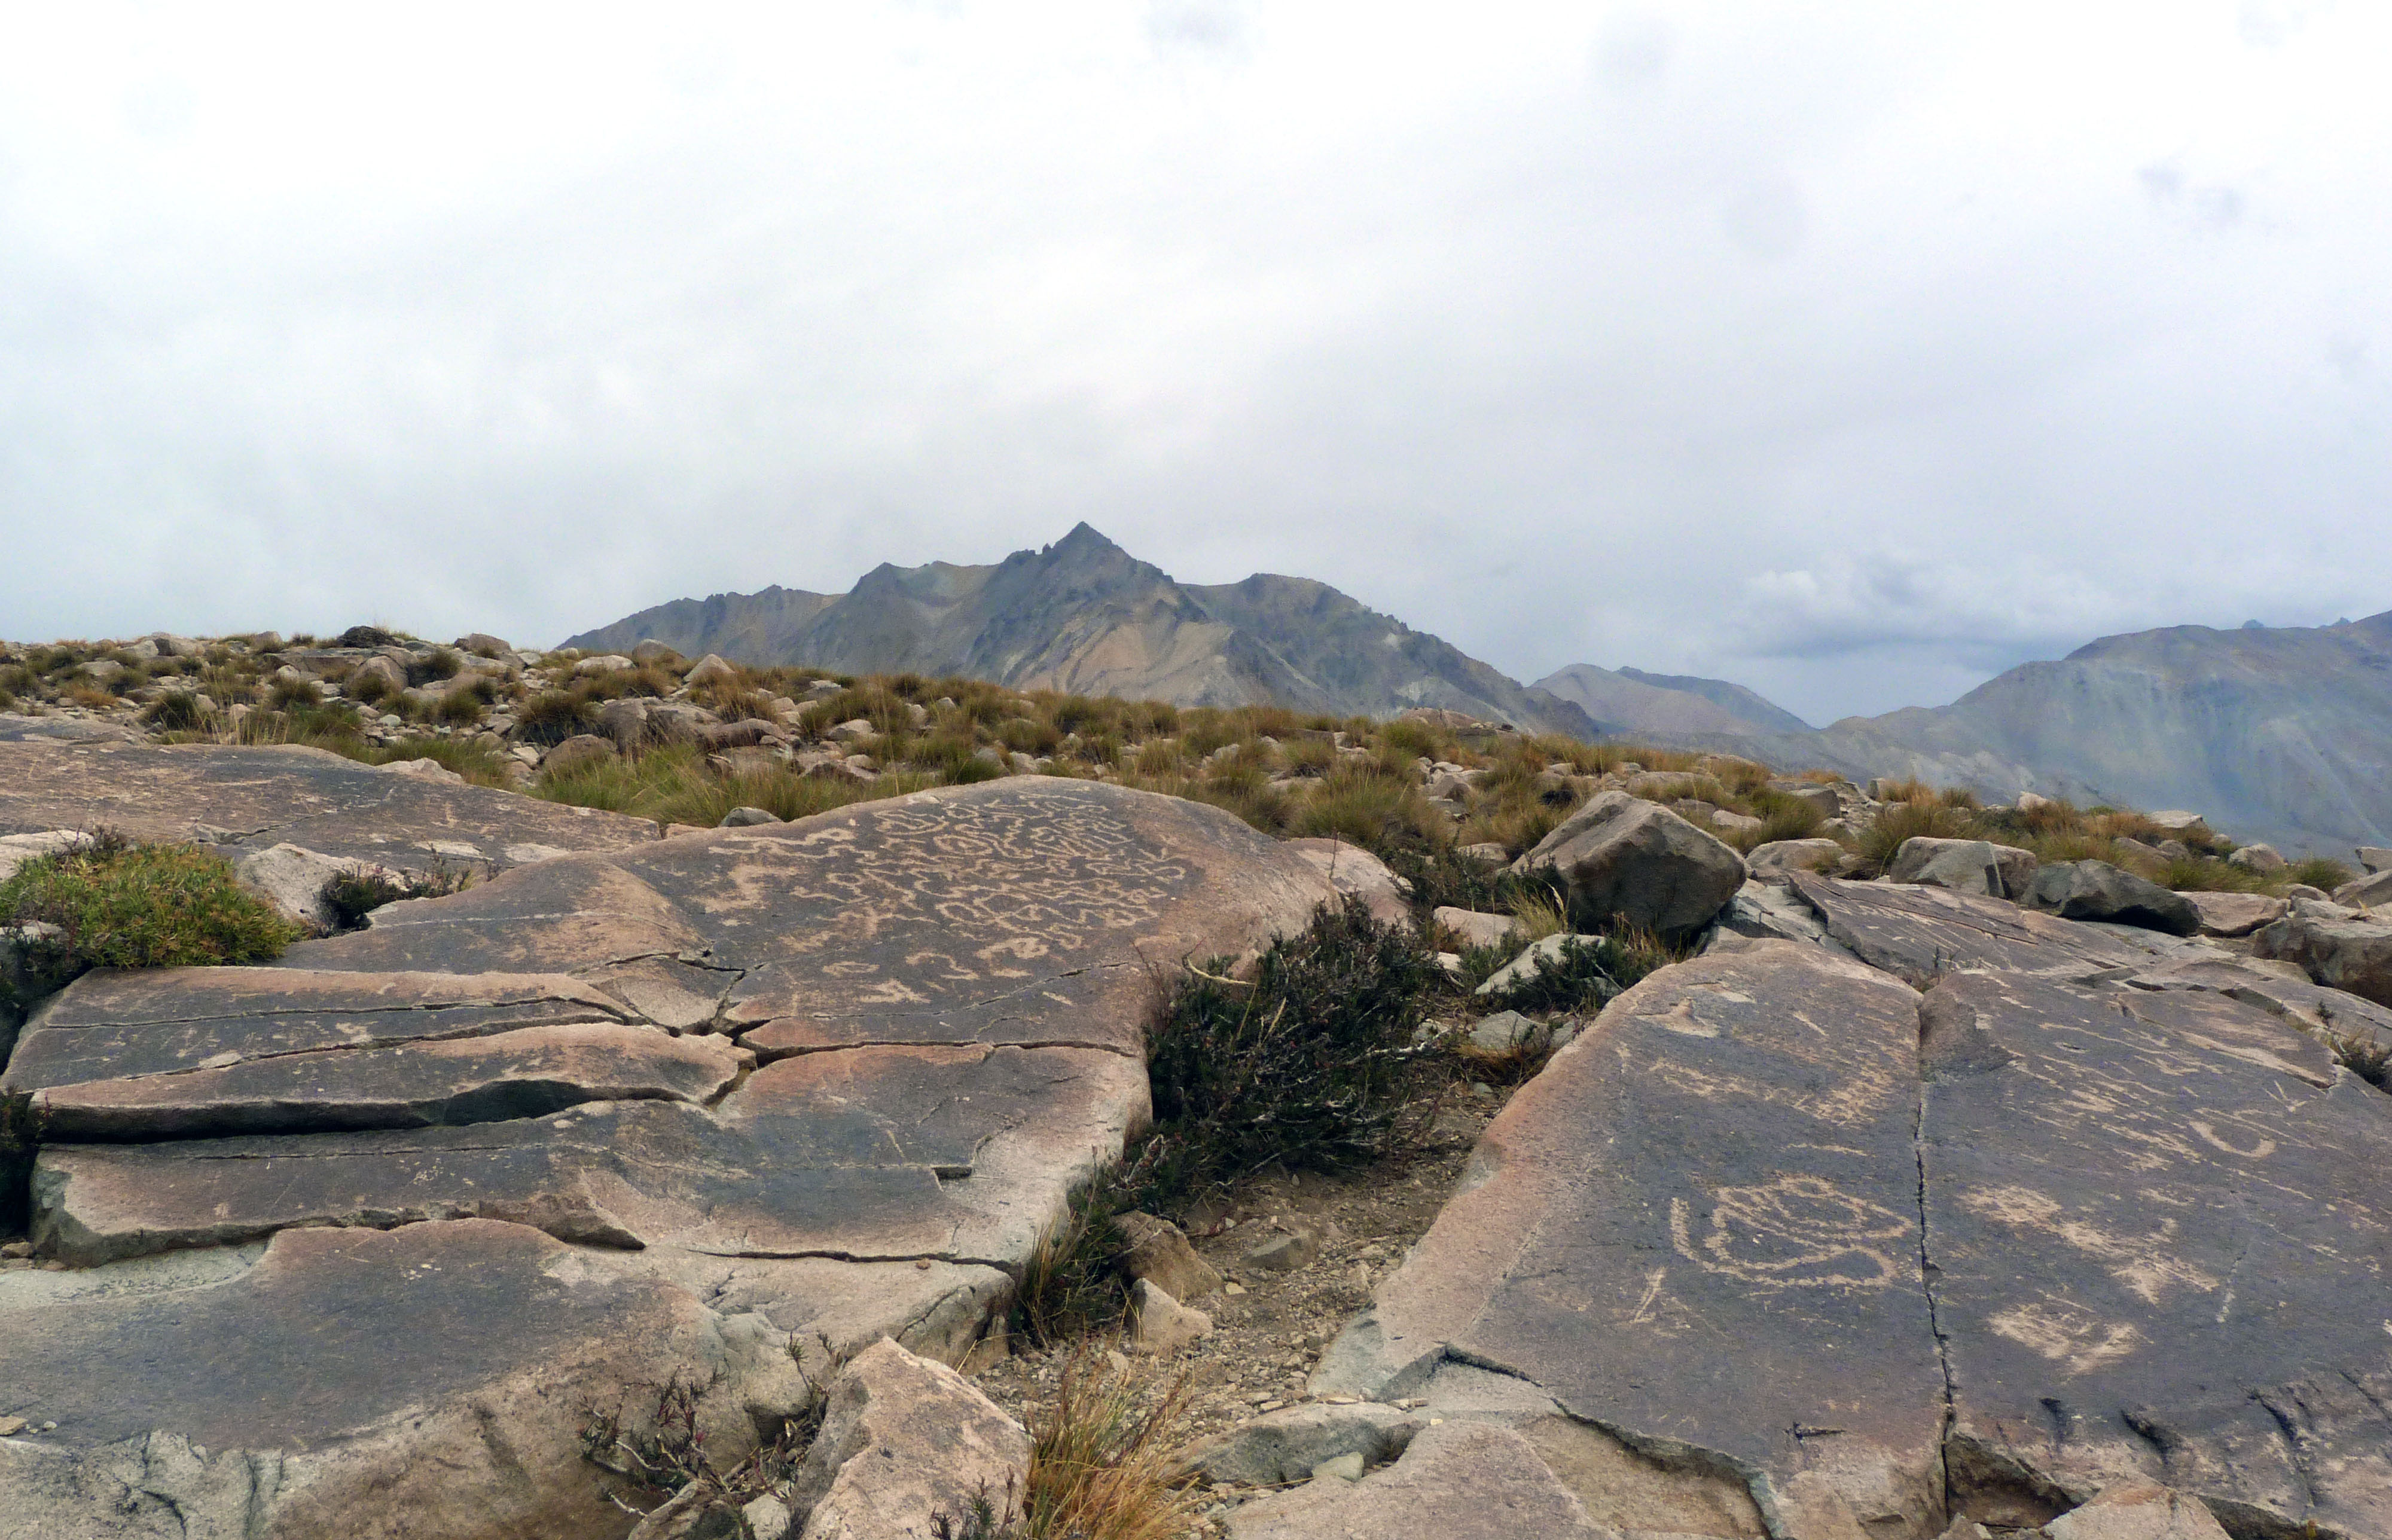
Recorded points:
(1622, 855)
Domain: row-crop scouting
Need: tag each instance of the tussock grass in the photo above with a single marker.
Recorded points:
(2318, 871)
(119, 904)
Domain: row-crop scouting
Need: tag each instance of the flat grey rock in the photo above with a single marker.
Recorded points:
(1698, 1228)
(2159, 1240)
(1920, 933)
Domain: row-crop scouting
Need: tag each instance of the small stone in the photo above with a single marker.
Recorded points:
(1283, 1252)
(11, 1425)
(767, 1519)
(745, 818)
(1159, 1250)
(1345, 1467)
(17, 1248)
(1160, 1324)
(1233, 1287)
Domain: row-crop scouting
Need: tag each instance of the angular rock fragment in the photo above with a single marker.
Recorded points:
(1965, 866)
(1626, 857)
(903, 1442)
(1463, 1480)
(2097, 890)
(2333, 945)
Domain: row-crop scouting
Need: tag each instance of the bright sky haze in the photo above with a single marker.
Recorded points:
(1854, 353)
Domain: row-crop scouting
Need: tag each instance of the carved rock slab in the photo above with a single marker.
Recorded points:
(1699, 1229)
(2160, 1247)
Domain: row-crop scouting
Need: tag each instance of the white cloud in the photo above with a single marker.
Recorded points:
(1851, 353)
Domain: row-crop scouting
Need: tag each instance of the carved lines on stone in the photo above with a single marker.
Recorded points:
(1798, 1232)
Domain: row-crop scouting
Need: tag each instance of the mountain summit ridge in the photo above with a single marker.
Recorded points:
(1085, 617)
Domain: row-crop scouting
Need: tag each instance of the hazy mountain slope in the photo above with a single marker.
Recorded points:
(1086, 616)
(1639, 702)
(2275, 733)
(1744, 705)
(1372, 664)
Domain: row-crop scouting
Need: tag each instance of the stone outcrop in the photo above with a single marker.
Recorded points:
(2097, 890)
(2082, 1232)
(357, 1239)
(2335, 946)
(1623, 855)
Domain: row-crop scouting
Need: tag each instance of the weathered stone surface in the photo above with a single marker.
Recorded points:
(2159, 1253)
(1355, 870)
(2138, 1512)
(116, 1023)
(529, 1072)
(1285, 1446)
(293, 879)
(1965, 866)
(2257, 858)
(857, 1155)
(1779, 857)
(249, 799)
(1699, 1228)
(2335, 946)
(1460, 1481)
(1917, 933)
(1624, 855)
(2367, 892)
(2234, 913)
(903, 1440)
(427, 1382)
(2097, 890)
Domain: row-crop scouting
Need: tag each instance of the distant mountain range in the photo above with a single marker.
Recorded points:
(1084, 615)
(2276, 733)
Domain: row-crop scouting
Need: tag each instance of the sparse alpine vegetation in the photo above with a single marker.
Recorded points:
(110, 903)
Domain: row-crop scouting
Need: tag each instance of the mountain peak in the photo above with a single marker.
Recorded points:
(1086, 539)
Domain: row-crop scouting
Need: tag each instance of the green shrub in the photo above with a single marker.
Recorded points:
(1926, 818)
(2203, 875)
(123, 905)
(552, 716)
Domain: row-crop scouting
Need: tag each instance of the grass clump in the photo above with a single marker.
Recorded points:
(118, 904)
(2319, 871)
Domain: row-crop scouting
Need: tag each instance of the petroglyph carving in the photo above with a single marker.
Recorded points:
(1798, 1232)
(2066, 1334)
(2144, 1263)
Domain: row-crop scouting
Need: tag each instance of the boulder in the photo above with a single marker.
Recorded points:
(1474, 928)
(1762, 911)
(2234, 913)
(2180, 822)
(1623, 855)
(651, 651)
(292, 880)
(1355, 872)
(17, 849)
(2097, 890)
(626, 721)
(579, 752)
(1159, 1324)
(709, 669)
(2261, 859)
(605, 663)
(903, 1440)
(2366, 892)
(483, 644)
(1965, 866)
(746, 817)
(390, 677)
(422, 769)
(2373, 858)
(1486, 852)
(1155, 1249)
(1502, 1032)
(2336, 947)
(1779, 857)
(1285, 1446)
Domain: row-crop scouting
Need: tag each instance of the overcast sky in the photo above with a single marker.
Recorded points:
(1855, 352)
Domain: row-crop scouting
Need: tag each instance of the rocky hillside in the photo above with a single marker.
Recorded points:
(1085, 617)
(2283, 734)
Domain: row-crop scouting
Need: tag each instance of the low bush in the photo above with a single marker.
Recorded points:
(118, 904)
(175, 711)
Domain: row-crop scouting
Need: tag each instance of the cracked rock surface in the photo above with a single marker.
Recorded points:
(356, 1243)
(1960, 1216)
